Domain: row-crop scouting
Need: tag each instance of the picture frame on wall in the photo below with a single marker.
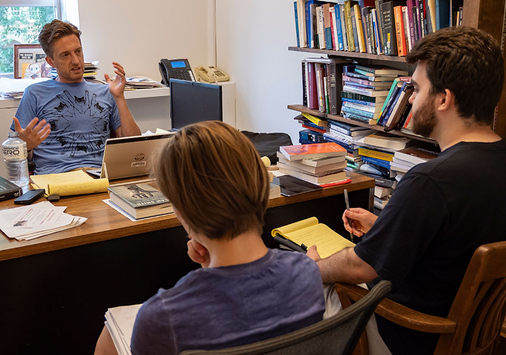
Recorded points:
(30, 62)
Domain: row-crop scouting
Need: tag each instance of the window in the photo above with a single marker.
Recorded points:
(21, 22)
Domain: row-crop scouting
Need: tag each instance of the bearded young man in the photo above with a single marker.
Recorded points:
(444, 209)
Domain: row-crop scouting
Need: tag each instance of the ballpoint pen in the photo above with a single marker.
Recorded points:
(347, 201)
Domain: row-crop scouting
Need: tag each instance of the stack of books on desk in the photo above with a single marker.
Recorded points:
(321, 163)
(139, 200)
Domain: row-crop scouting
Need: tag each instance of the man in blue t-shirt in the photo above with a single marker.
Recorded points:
(444, 209)
(66, 121)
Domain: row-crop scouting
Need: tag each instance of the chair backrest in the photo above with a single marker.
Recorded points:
(479, 307)
(336, 335)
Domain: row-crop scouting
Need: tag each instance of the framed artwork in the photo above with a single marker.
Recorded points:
(30, 62)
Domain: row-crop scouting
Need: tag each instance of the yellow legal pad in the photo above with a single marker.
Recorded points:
(71, 183)
(310, 232)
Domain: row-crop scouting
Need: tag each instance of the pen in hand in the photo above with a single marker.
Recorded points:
(347, 201)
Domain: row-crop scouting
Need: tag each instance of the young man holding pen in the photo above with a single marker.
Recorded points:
(444, 209)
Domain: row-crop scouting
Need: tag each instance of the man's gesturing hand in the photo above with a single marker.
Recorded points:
(34, 133)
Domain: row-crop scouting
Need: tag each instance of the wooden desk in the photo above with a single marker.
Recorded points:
(56, 289)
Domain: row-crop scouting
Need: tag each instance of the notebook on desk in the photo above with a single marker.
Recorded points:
(130, 156)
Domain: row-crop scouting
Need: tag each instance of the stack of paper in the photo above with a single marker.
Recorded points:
(14, 88)
(33, 221)
(120, 323)
(142, 82)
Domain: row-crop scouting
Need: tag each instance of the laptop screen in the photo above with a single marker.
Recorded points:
(192, 102)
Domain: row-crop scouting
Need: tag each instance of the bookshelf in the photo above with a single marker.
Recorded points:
(488, 15)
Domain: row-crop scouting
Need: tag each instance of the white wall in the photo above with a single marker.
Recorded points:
(137, 34)
(253, 37)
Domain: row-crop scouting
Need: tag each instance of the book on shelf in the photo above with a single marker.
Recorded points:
(359, 28)
(389, 36)
(327, 26)
(372, 70)
(377, 162)
(315, 170)
(375, 169)
(363, 91)
(380, 191)
(380, 203)
(309, 84)
(362, 97)
(140, 200)
(312, 127)
(307, 136)
(297, 34)
(349, 129)
(9, 189)
(322, 83)
(383, 140)
(316, 120)
(307, 151)
(367, 83)
(378, 30)
(411, 23)
(348, 4)
(417, 153)
(400, 166)
(310, 232)
(396, 85)
(402, 47)
(375, 153)
(401, 107)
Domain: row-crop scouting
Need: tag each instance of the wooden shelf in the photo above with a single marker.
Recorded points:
(302, 108)
(351, 55)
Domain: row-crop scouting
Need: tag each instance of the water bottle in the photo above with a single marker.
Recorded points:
(15, 154)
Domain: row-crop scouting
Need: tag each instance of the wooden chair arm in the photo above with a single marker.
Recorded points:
(398, 313)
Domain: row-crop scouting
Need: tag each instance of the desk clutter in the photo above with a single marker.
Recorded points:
(30, 222)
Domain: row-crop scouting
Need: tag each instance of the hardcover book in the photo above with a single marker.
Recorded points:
(319, 180)
(9, 190)
(383, 140)
(140, 200)
(306, 151)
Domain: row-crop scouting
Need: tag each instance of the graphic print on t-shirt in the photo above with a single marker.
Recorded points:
(78, 124)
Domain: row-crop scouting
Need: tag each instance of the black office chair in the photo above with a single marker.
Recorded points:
(336, 335)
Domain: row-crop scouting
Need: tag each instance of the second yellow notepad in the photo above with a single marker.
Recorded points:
(310, 232)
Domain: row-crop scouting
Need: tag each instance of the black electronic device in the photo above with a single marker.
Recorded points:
(29, 197)
(176, 69)
(192, 102)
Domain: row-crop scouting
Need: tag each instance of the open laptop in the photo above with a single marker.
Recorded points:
(130, 156)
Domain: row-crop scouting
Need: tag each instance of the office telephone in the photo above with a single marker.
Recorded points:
(176, 69)
(211, 74)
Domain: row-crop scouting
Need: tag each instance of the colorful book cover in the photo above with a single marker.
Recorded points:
(305, 151)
